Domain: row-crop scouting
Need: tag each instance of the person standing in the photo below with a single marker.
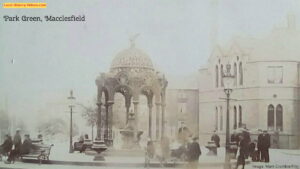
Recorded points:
(242, 151)
(234, 139)
(264, 145)
(194, 153)
(247, 139)
(259, 145)
(215, 137)
(17, 142)
(165, 149)
(150, 153)
(6, 147)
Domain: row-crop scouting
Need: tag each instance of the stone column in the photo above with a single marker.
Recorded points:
(158, 106)
(110, 121)
(127, 105)
(106, 126)
(99, 122)
(150, 120)
(163, 106)
(135, 110)
(127, 114)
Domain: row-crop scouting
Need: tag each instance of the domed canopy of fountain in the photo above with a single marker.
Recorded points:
(132, 74)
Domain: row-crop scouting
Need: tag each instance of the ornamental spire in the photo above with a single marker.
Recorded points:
(132, 39)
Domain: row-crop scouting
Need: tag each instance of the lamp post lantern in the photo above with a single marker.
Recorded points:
(71, 98)
(228, 81)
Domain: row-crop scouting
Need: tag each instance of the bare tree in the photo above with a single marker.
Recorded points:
(4, 124)
(90, 114)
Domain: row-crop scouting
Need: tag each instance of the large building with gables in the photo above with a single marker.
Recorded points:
(265, 90)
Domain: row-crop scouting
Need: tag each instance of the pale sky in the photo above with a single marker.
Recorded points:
(52, 58)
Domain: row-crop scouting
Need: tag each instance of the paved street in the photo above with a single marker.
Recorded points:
(279, 159)
(19, 165)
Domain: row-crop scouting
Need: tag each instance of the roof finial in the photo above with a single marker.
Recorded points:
(291, 19)
(132, 39)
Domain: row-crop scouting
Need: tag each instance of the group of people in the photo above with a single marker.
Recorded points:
(14, 148)
(190, 150)
(257, 150)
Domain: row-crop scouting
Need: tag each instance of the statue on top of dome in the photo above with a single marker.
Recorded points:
(132, 39)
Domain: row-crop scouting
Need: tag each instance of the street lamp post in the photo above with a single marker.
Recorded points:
(228, 80)
(71, 105)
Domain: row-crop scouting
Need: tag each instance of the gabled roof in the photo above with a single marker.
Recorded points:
(281, 44)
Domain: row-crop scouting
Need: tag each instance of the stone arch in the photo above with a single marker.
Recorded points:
(217, 76)
(241, 73)
(279, 117)
(123, 89)
(234, 117)
(271, 117)
(102, 90)
(235, 73)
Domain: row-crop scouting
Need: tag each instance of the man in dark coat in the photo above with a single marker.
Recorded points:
(194, 152)
(263, 146)
(27, 145)
(242, 151)
(6, 146)
(234, 139)
(17, 141)
(259, 145)
(247, 139)
(216, 139)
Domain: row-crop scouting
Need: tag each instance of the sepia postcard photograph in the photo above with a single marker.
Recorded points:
(150, 84)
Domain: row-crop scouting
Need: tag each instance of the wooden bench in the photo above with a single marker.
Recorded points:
(41, 153)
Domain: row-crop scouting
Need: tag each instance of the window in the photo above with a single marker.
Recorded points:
(234, 118)
(221, 118)
(217, 119)
(217, 76)
(222, 74)
(235, 74)
(240, 116)
(270, 117)
(241, 73)
(275, 75)
(279, 118)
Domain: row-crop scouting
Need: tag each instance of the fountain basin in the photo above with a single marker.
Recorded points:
(130, 138)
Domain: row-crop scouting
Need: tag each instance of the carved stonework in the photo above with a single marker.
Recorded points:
(131, 74)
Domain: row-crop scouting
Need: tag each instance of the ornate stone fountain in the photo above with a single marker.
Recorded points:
(130, 134)
(132, 74)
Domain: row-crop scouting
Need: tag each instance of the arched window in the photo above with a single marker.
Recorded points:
(222, 74)
(217, 119)
(234, 118)
(240, 116)
(241, 73)
(271, 117)
(221, 118)
(235, 74)
(217, 76)
(279, 118)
